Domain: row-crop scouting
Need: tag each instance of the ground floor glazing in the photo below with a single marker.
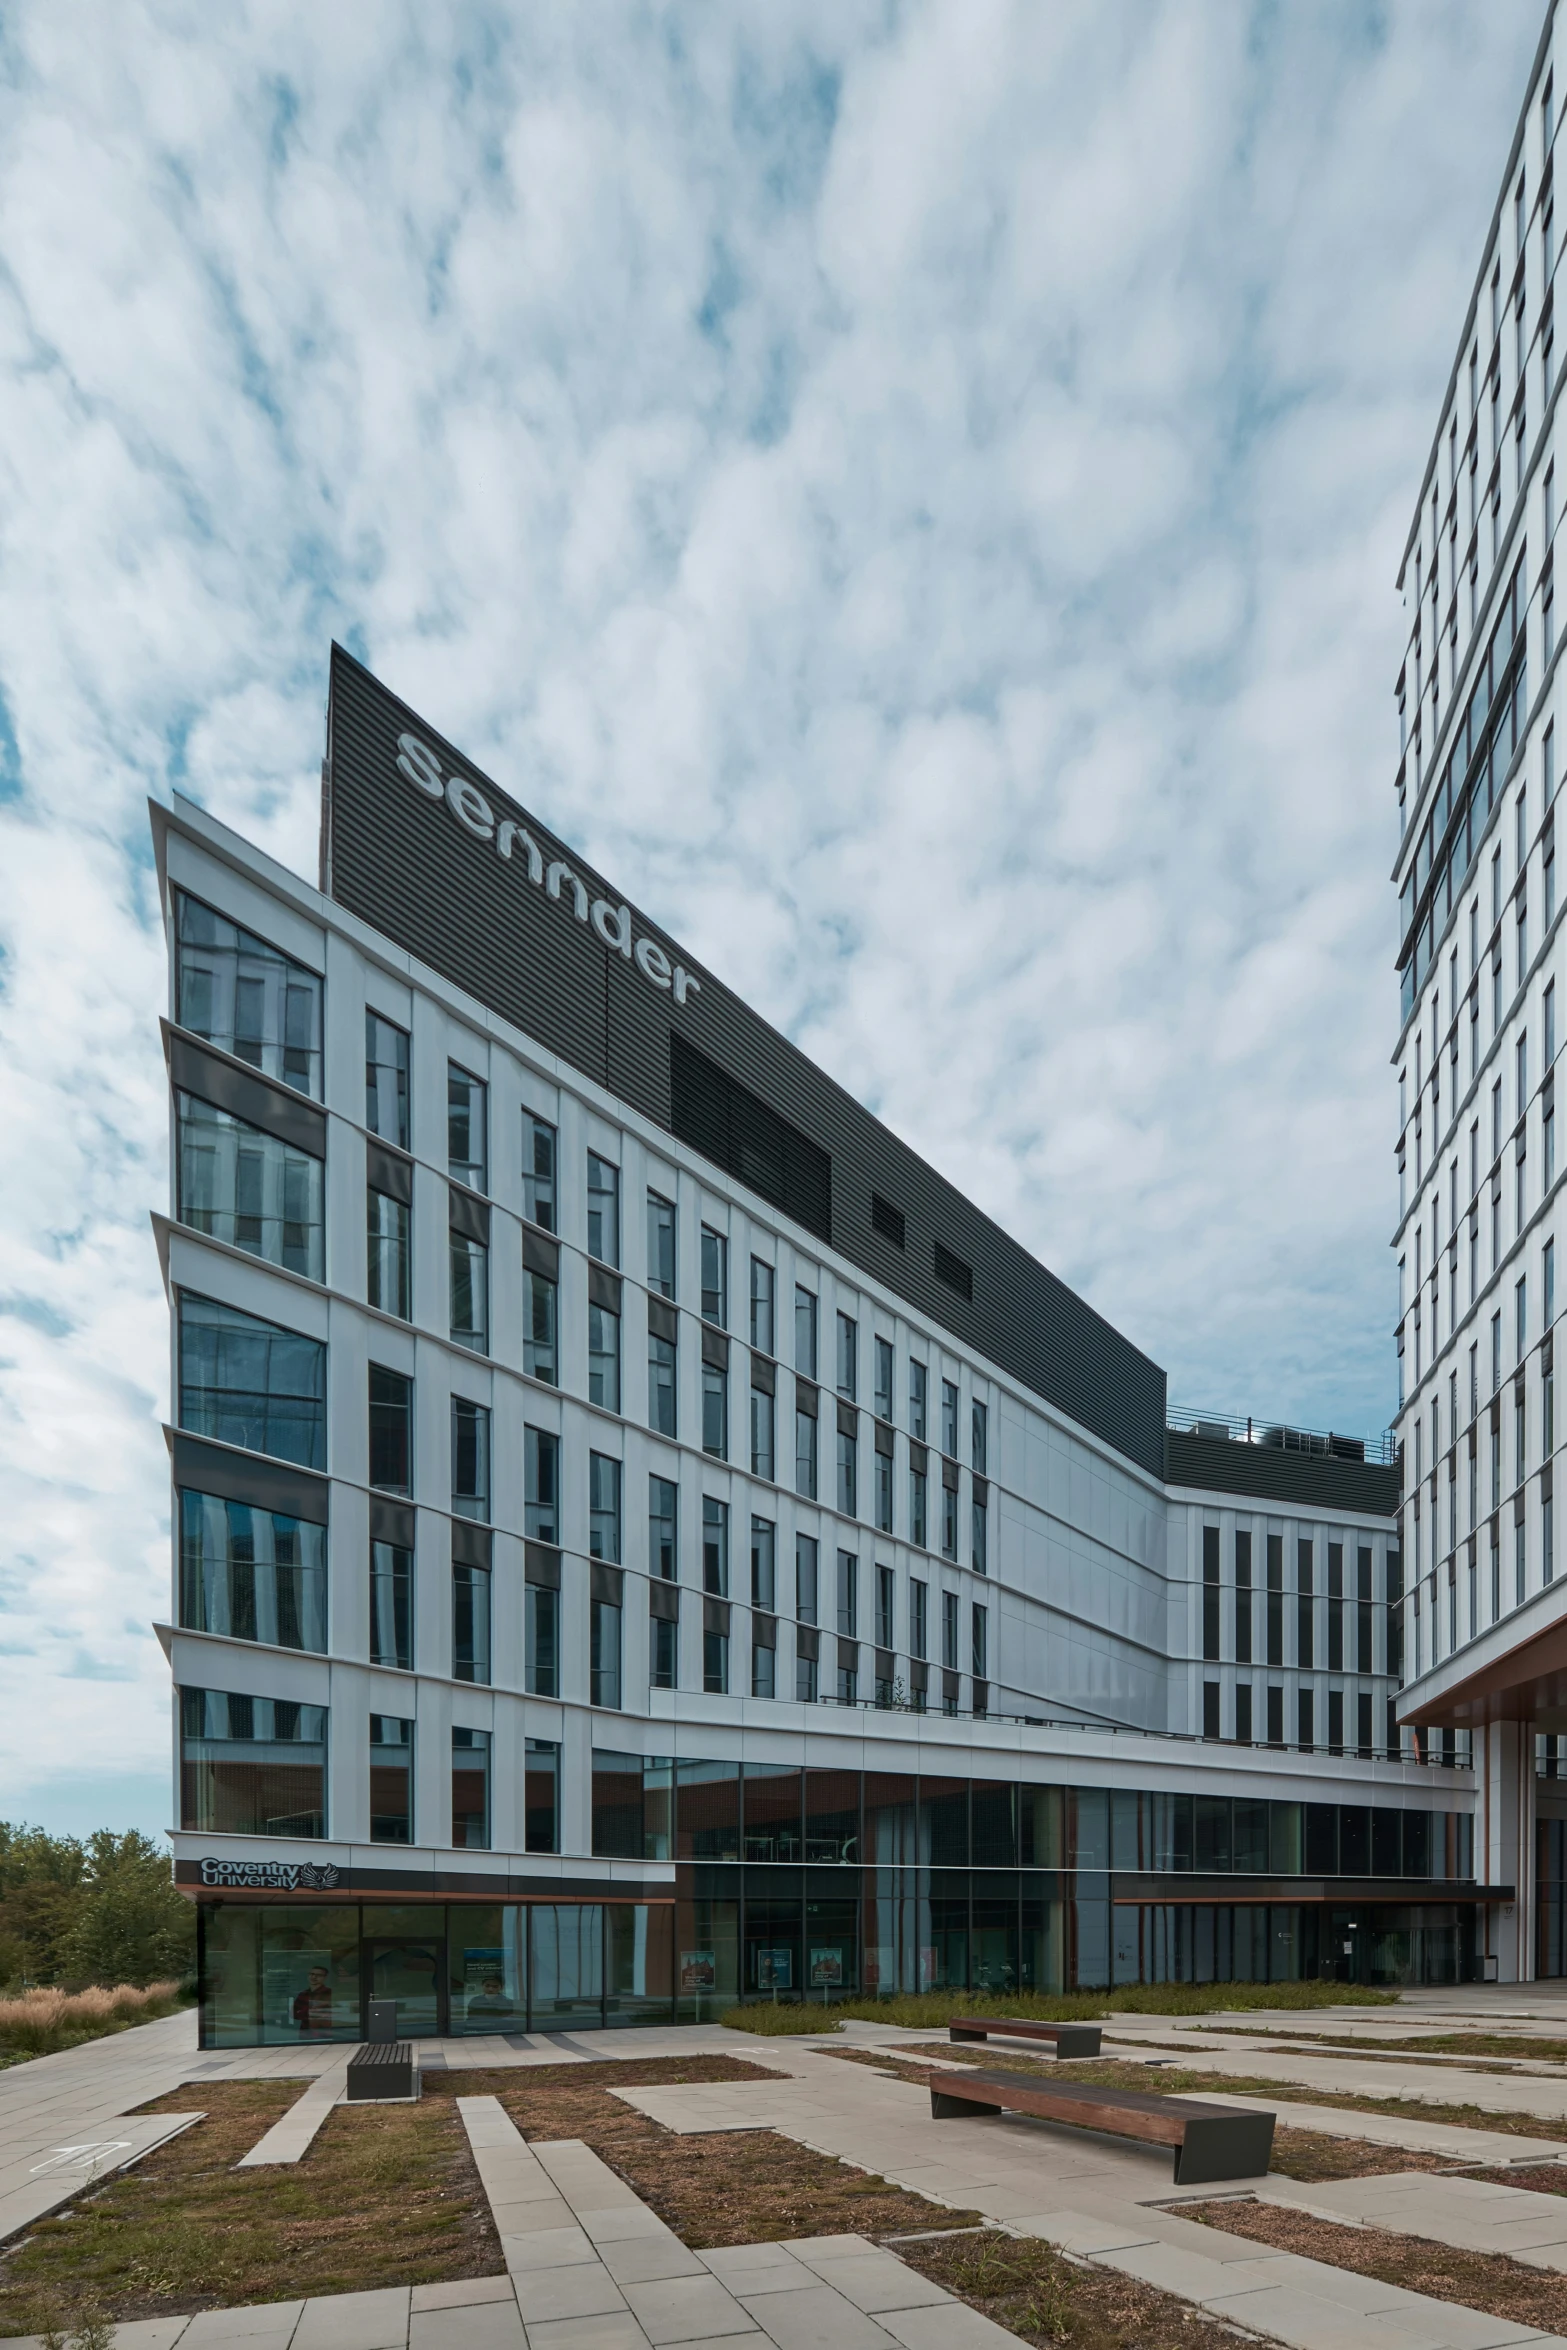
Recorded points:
(282, 1971)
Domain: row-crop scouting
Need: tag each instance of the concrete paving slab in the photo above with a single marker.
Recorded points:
(291, 2138)
(547, 2248)
(685, 2309)
(585, 2290)
(877, 2281)
(475, 2325)
(817, 2319)
(268, 2322)
(637, 2260)
(354, 2321)
(459, 2292)
(956, 2327)
(620, 2332)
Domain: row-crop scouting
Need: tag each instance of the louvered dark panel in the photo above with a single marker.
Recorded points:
(403, 862)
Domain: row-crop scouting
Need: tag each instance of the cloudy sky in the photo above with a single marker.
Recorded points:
(914, 489)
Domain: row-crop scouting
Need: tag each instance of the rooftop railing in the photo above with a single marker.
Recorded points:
(1326, 1443)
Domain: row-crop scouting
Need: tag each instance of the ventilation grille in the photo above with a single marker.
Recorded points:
(728, 1124)
(954, 1272)
(887, 1220)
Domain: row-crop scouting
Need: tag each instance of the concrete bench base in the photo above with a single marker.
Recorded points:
(1066, 2039)
(383, 2072)
(1210, 2141)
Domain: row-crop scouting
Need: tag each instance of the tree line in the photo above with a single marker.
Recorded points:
(97, 1910)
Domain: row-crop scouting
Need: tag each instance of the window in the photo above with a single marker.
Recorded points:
(470, 1459)
(251, 1766)
(245, 997)
(1210, 1593)
(715, 1411)
(949, 1630)
(715, 1659)
(978, 1535)
(715, 1278)
(604, 1507)
(541, 1639)
(949, 1419)
(603, 1357)
(541, 1796)
(662, 1521)
(762, 1286)
(248, 1188)
(805, 1332)
(391, 1606)
(538, 1172)
(949, 1520)
(979, 1437)
(882, 1466)
(805, 1565)
(805, 1453)
(541, 1485)
(762, 1419)
(978, 1641)
(1548, 1284)
(386, 1264)
(715, 1547)
(251, 1574)
(467, 1148)
(806, 1673)
(1275, 1602)
(604, 1654)
(471, 1790)
(1496, 1352)
(848, 1473)
(848, 1595)
(1520, 1318)
(917, 1506)
(540, 1312)
(885, 1585)
(884, 1378)
(470, 1292)
(664, 1663)
(917, 1401)
(848, 1359)
(919, 1608)
(764, 1582)
(660, 1244)
(391, 1430)
(470, 1623)
(764, 1670)
(603, 1210)
(660, 1384)
(250, 1383)
(1243, 1600)
(386, 1080)
(391, 1780)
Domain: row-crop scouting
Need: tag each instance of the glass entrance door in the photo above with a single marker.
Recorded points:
(413, 1973)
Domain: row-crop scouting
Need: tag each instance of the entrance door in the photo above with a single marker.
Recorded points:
(413, 1973)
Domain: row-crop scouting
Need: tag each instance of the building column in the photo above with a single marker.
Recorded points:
(1504, 1842)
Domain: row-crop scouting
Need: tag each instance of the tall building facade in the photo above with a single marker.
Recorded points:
(642, 1539)
(1485, 1632)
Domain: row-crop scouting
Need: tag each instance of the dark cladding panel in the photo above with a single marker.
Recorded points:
(748, 1099)
(398, 860)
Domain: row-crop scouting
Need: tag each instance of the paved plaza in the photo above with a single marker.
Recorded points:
(588, 2266)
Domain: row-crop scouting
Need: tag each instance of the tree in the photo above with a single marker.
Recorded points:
(131, 1925)
(40, 1893)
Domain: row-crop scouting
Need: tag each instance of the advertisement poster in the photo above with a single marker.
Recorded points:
(484, 1986)
(296, 1991)
(826, 1970)
(775, 1970)
(697, 1970)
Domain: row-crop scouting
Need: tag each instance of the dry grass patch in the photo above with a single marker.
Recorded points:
(1487, 2281)
(727, 2187)
(40, 2022)
(1034, 2292)
(386, 2196)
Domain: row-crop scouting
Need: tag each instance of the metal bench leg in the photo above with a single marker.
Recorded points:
(1239, 2146)
(944, 2108)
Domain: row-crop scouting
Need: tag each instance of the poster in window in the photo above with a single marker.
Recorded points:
(826, 1969)
(698, 1971)
(775, 1970)
(296, 1991)
(484, 1985)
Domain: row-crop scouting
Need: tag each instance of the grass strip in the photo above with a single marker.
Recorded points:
(728, 2187)
(1036, 2293)
(1517, 2046)
(917, 2009)
(1486, 2281)
(386, 2196)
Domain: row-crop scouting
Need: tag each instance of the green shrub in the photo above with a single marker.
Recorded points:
(933, 2010)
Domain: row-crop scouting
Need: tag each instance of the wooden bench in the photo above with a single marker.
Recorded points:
(380, 2071)
(1069, 2039)
(1210, 2141)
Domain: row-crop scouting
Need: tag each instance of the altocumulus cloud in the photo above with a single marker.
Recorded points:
(915, 491)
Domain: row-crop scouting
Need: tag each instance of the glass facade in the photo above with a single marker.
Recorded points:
(250, 1383)
(248, 1188)
(251, 1766)
(251, 1574)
